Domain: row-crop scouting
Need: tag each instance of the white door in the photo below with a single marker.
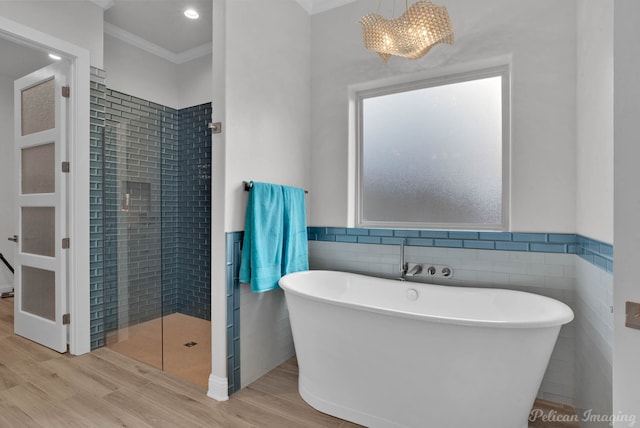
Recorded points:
(40, 150)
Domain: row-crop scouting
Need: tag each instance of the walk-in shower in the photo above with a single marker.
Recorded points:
(155, 194)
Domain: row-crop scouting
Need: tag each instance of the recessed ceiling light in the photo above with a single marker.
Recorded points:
(191, 14)
(54, 56)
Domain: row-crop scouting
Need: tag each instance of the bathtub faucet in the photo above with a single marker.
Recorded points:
(416, 270)
(404, 266)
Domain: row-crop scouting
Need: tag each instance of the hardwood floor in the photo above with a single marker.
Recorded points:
(41, 388)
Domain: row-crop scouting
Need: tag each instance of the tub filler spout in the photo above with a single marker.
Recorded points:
(415, 270)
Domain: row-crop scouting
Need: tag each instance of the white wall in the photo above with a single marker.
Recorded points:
(267, 139)
(268, 95)
(7, 189)
(594, 205)
(626, 376)
(541, 38)
(77, 22)
(137, 72)
(218, 380)
(194, 82)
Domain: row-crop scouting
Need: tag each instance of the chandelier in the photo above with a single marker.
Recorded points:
(411, 35)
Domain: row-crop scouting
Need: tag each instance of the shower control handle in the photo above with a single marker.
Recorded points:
(13, 238)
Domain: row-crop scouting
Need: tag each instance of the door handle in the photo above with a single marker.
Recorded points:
(13, 238)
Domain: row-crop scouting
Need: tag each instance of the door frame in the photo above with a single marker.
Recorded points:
(78, 293)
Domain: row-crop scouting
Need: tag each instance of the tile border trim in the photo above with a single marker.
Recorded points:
(595, 252)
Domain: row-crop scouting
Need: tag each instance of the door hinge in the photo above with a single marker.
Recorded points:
(66, 243)
(66, 91)
(66, 319)
(66, 166)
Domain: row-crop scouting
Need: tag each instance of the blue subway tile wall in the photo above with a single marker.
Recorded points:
(595, 252)
(150, 209)
(169, 203)
(96, 241)
(140, 273)
(233, 250)
(598, 253)
(194, 203)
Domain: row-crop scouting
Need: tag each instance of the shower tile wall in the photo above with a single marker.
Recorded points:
(194, 210)
(96, 245)
(140, 248)
(149, 159)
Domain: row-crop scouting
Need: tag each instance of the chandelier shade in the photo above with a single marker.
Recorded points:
(411, 35)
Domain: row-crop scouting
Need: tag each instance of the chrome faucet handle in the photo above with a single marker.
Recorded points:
(415, 270)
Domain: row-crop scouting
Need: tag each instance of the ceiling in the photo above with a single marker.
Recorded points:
(160, 27)
(157, 26)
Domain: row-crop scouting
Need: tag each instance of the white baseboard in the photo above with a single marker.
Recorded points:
(218, 388)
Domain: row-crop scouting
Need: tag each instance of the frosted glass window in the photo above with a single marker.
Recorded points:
(39, 292)
(38, 231)
(433, 155)
(38, 169)
(39, 107)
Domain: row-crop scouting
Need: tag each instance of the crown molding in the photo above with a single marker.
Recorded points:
(139, 42)
(318, 6)
(104, 4)
(306, 5)
(194, 53)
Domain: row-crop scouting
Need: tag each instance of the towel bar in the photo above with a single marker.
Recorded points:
(248, 185)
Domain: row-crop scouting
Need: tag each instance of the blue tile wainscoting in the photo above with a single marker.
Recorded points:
(595, 252)
(233, 250)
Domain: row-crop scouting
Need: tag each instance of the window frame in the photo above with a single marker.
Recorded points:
(503, 71)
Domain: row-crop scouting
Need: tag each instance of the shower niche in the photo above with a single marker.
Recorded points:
(136, 198)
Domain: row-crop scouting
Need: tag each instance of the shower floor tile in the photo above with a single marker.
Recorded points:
(161, 344)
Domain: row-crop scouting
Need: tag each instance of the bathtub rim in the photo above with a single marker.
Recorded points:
(566, 317)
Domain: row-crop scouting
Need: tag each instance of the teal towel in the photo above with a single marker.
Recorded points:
(275, 236)
(295, 256)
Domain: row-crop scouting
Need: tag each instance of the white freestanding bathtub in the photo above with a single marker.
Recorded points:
(387, 353)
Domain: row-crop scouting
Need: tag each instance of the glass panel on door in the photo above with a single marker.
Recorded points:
(38, 107)
(38, 292)
(38, 169)
(38, 231)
